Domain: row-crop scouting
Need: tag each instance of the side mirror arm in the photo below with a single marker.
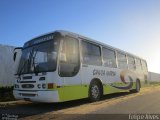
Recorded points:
(15, 53)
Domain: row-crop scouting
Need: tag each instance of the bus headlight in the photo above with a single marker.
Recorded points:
(39, 86)
(16, 86)
(43, 86)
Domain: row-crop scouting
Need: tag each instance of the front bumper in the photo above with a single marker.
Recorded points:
(37, 96)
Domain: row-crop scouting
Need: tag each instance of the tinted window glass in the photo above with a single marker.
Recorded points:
(138, 64)
(69, 57)
(144, 65)
(39, 58)
(109, 58)
(122, 61)
(91, 53)
(131, 63)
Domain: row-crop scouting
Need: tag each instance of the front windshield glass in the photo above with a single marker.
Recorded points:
(39, 58)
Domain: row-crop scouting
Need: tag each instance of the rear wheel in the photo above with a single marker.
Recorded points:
(137, 87)
(95, 91)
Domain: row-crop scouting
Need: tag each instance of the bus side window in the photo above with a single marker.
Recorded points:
(69, 57)
(109, 58)
(144, 65)
(138, 64)
(91, 54)
(131, 63)
(122, 61)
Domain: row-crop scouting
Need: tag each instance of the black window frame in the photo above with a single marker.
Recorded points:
(56, 37)
(139, 65)
(114, 65)
(129, 63)
(144, 65)
(74, 73)
(83, 41)
(121, 60)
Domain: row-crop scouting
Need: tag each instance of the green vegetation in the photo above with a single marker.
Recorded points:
(154, 83)
(6, 94)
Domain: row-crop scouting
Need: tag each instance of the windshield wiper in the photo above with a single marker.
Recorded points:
(28, 61)
(24, 64)
(33, 63)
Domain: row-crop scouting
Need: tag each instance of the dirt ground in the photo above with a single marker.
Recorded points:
(67, 110)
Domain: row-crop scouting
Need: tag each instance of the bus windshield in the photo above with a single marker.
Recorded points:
(39, 58)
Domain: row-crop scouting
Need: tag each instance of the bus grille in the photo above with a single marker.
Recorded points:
(28, 95)
(27, 86)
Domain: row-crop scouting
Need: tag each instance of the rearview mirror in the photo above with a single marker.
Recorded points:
(15, 53)
(14, 56)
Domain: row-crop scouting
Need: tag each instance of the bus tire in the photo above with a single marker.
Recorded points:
(138, 86)
(95, 91)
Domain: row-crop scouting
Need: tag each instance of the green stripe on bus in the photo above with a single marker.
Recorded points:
(73, 92)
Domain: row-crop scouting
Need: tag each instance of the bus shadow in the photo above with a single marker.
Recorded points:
(115, 95)
(29, 109)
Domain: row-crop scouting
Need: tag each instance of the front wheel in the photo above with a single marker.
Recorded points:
(95, 91)
(137, 86)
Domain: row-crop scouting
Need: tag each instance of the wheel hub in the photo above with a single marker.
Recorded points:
(95, 91)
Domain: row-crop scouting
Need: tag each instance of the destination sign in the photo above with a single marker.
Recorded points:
(39, 40)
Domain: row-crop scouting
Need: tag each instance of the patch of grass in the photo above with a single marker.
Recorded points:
(154, 83)
(6, 94)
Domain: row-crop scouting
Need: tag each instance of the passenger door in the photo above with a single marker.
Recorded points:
(69, 65)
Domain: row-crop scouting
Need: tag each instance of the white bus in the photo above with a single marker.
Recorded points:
(63, 66)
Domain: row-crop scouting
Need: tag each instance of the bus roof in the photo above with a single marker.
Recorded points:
(95, 41)
(75, 35)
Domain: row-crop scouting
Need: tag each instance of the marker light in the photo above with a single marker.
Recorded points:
(43, 86)
(51, 85)
(39, 86)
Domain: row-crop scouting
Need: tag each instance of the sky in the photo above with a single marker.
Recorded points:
(130, 25)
